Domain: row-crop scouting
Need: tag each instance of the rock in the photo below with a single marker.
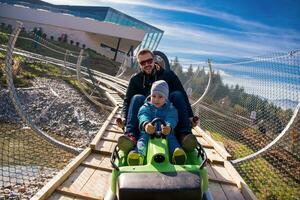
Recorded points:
(6, 191)
(22, 189)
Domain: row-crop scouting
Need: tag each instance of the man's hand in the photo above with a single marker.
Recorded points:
(194, 121)
(149, 128)
(165, 129)
(120, 122)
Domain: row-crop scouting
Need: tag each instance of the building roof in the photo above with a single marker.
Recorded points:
(95, 12)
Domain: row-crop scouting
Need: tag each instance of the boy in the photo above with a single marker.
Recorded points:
(157, 105)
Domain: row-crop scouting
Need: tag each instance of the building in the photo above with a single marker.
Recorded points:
(103, 29)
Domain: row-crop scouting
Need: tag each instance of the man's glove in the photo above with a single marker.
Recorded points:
(194, 121)
(120, 122)
(165, 129)
(149, 128)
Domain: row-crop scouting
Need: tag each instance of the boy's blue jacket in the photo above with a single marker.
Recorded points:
(167, 112)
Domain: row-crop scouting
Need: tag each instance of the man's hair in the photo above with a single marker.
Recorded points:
(143, 52)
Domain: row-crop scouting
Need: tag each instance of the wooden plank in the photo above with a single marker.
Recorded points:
(98, 160)
(104, 146)
(211, 141)
(83, 195)
(111, 98)
(98, 183)
(232, 192)
(58, 196)
(78, 178)
(217, 177)
(213, 156)
(221, 173)
(117, 115)
(103, 128)
(94, 159)
(204, 143)
(109, 135)
(96, 167)
(103, 152)
(57, 180)
(222, 181)
(234, 174)
(217, 191)
(210, 171)
(114, 128)
(248, 194)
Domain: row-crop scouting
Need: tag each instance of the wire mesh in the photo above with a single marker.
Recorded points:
(249, 103)
(47, 89)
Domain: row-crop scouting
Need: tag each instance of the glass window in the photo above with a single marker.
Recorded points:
(153, 42)
(157, 42)
(148, 42)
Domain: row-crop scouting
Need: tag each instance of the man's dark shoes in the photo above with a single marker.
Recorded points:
(188, 142)
(126, 142)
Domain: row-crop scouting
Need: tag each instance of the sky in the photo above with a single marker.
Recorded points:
(220, 30)
(225, 32)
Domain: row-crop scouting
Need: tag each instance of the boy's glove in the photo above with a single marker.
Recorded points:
(165, 129)
(149, 128)
(194, 121)
(120, 122)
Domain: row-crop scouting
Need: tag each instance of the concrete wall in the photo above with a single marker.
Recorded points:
(83, 30)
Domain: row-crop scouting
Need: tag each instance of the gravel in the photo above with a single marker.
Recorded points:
(57, 109)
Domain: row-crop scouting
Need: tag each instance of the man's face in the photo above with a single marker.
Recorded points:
(146, 63)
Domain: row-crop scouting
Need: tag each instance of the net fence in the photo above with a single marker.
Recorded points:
(50, 109)
(252, 107)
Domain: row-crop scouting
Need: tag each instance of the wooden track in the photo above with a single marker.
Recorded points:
(88, 175)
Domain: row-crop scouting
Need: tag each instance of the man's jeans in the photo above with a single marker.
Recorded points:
(132, 122)
(176, 97)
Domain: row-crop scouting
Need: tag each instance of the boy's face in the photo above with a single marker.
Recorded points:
(157, 100)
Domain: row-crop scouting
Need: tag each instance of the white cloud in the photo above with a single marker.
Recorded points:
(196, 10)
(223, 73)
(229, 18)
(186, 39)
(264, 88)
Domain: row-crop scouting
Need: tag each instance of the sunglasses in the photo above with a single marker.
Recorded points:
(148, 61)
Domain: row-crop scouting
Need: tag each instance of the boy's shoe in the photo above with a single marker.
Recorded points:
(126, 142)
(188, 142)
(135, 158)
(179, 156)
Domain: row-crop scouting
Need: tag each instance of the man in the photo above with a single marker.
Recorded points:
(137, 91)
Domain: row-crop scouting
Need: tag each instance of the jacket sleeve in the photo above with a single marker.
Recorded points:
(178, 86)
(144, 116)
(172, 117)
(130, 92)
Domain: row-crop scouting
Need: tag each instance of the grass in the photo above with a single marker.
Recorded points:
(24, 147)
(57, 49)
(265, 180)
(27, 71)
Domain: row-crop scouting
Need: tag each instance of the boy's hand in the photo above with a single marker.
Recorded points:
(165, 129)
(149, 128)
(194, 121)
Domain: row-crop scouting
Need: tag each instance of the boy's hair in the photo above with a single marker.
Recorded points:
(143, 52)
